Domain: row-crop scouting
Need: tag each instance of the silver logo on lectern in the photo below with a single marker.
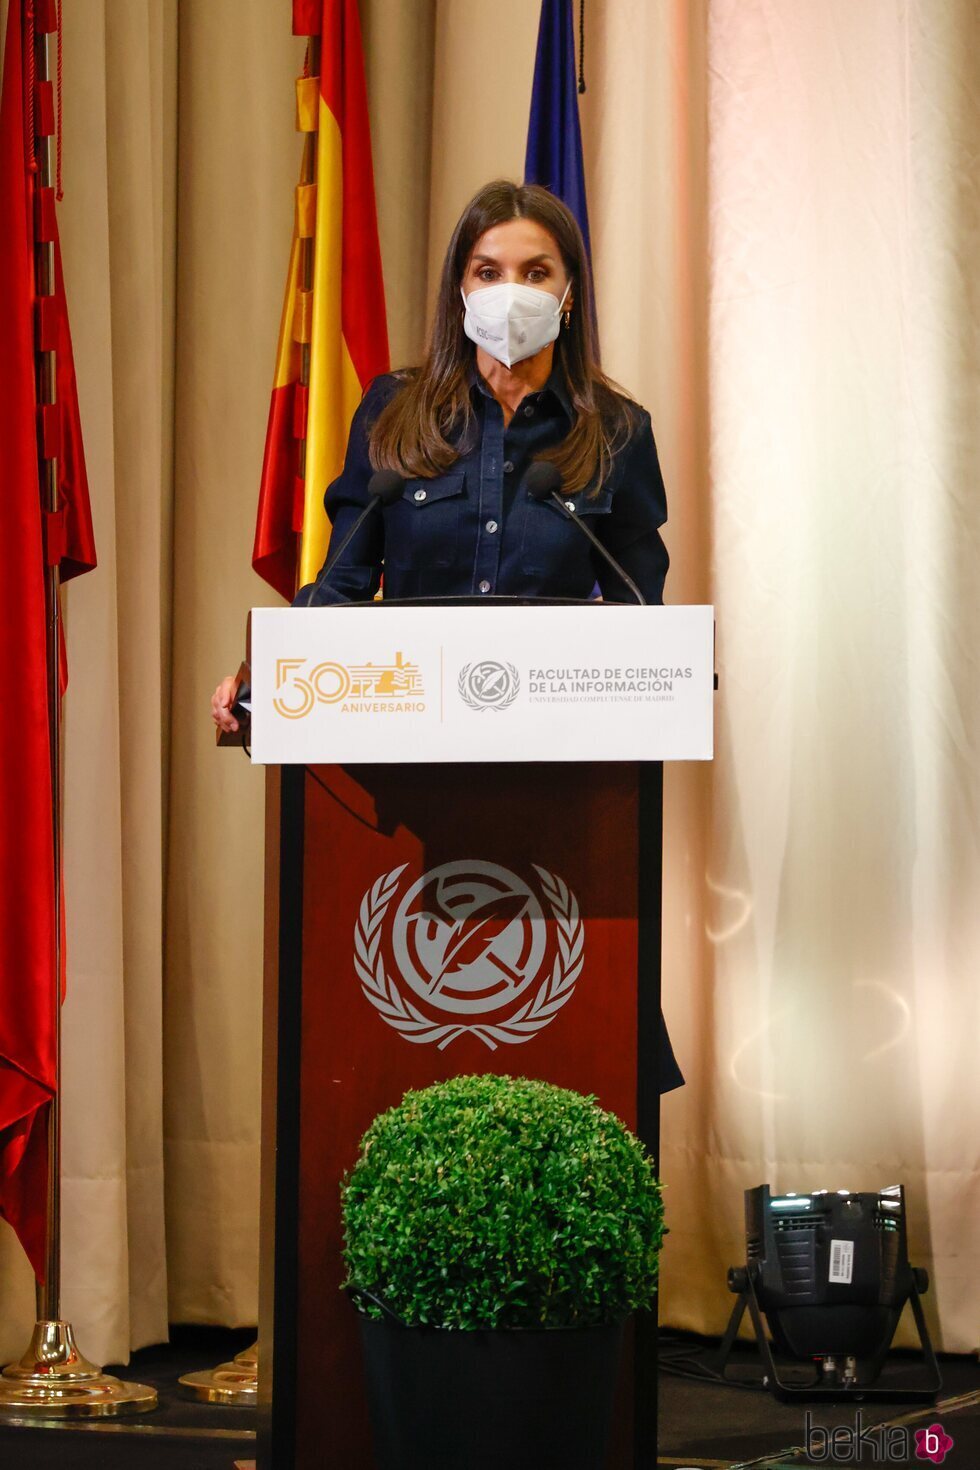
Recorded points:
(488, 685)
(467, 951)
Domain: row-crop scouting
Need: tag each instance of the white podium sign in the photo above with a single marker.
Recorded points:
(356, 685)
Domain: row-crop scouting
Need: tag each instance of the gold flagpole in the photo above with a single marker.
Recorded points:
(235, 1383)
(53, 1380)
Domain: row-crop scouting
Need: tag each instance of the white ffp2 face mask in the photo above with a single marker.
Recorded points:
(510, 321)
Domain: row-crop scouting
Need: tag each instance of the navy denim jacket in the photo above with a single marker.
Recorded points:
(476, 530)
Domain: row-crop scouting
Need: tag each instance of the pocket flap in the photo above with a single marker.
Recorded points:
(581, 504)
(598, 505)
(441, 487)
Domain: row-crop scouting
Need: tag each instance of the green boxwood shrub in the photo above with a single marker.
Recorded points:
(487, 1202)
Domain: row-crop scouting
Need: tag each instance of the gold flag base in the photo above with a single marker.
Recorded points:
(231, 1383)
(53, 1381)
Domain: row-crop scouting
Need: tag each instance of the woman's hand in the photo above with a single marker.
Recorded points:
(221, 702)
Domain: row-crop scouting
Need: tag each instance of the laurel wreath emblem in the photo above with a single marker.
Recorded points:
(530, 1018)
(468, 697)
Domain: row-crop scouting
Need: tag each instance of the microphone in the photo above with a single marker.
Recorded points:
(543, 482)
(384, 488)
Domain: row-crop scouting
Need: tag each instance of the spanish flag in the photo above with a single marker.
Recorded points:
(333, 337)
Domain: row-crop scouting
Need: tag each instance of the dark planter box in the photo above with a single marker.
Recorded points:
(443, 1400)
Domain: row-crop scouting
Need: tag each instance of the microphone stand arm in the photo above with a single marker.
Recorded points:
(606, 555)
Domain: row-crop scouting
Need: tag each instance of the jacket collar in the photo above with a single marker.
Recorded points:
(555, 386)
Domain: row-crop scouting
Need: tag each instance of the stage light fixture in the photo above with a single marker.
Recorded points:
(830, 1273)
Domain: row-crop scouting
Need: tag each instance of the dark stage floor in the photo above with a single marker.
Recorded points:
(704, 1424)
(709, 1424)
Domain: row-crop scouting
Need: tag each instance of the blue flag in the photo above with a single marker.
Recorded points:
(554, 136)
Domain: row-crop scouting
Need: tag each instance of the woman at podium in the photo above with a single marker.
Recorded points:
(511, 378)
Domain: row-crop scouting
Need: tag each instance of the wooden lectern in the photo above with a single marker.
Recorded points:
(438, 771)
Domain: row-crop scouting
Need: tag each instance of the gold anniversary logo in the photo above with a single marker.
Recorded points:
(394, 688)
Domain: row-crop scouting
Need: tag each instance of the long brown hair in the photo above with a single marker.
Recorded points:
(412, 433)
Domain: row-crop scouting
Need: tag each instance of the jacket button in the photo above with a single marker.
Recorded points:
(484, 586)
(420, 495)
(508, 466)
(491, 526)
(570, 505)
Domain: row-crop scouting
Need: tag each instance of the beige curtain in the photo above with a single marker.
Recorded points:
(839, 1011)
(786, 225)
(238, 161)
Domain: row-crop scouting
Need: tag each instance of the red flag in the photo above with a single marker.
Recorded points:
(27, 894)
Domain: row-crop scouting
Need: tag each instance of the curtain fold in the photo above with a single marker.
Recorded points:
(238, 155)
(786, 226)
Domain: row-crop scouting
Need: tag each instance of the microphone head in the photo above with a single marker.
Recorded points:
(386, 486)
(543, 480)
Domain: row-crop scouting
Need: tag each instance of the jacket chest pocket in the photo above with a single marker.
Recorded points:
(549, 541)
(422, 528)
